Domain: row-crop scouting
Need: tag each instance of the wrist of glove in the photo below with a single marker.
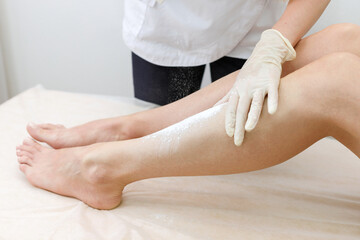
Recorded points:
(260, 76)
(274, 48)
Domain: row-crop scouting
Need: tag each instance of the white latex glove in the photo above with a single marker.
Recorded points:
(260, 76)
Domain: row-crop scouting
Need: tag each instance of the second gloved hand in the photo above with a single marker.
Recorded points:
(260, 76)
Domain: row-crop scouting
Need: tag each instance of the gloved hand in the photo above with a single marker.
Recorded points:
(260, 76)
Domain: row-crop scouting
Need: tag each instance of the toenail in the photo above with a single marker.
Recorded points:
(31, 124)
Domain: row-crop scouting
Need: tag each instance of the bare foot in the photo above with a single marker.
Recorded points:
(58, 136)
(75, 172)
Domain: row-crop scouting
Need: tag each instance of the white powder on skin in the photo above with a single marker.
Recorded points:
(168, 139)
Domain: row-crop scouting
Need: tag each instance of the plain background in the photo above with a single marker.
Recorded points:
(77, 46)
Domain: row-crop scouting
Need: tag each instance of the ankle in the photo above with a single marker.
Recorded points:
(109, 162)
(133, 126)
(96, 165)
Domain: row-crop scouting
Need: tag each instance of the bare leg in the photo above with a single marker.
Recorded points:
(318, 100)
(336, 38)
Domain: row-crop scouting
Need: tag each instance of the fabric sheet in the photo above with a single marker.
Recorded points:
(315, 195)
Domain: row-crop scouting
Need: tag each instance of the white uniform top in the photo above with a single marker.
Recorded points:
(196, 32)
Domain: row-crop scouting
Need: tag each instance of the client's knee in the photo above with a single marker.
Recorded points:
(344, 29)
(331, 76)
(339, 67)
(338, 71)
(337, 80)
(344, 33)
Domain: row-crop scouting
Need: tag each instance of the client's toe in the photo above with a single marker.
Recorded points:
(24, 168)
(25, 160)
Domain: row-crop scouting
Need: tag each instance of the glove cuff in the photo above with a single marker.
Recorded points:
(290, 53)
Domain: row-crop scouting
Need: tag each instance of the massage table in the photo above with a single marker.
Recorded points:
(314, 195)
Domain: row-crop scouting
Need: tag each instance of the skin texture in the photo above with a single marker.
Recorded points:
(320, 99)
(344, 38)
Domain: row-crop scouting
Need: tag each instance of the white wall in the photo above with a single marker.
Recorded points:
(71, 45)
(76, 45)
(3, 81)
(339, 11)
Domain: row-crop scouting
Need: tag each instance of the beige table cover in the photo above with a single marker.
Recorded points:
(315, 195)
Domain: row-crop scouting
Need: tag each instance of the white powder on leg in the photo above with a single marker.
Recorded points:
(169, 138)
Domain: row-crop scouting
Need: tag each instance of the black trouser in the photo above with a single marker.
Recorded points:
(163, 85)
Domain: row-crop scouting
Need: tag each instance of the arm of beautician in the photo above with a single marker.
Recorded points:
(261, 73)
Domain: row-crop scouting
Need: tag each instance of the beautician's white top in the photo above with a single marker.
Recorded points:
(196, 32)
